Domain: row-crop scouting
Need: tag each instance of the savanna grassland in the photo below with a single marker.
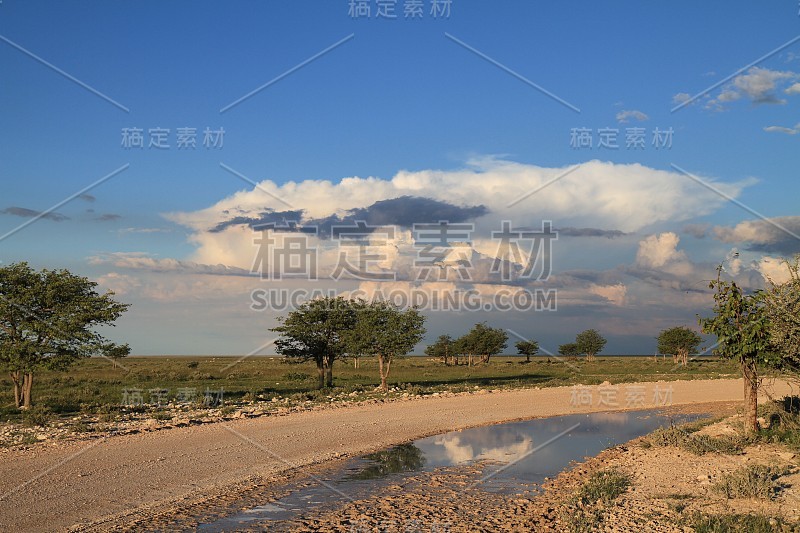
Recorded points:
(98, 387)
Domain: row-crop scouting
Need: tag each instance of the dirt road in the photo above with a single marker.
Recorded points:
(91, 482)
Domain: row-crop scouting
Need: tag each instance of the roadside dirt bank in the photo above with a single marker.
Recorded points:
(110, 482)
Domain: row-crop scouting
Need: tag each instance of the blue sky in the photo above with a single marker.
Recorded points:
(399, 96)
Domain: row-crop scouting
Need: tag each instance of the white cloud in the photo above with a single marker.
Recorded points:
(778, 234)
(624, 116)
(615, 294)
(759, 85)
(775, 269)
(782, 129)
(793, 89)
(681, 98)
(657, 250)
(597, 194)
(143, 261)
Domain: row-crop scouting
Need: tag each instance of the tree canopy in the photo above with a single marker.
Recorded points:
(590, 342)
(569, 349)
(48, 320)
(483, 341)
(679, 342)
(782, 309)
(315, 331)
(527, 348)
(384, 330)
(442, 347)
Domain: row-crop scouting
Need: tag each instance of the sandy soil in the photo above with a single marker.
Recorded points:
(109, 482)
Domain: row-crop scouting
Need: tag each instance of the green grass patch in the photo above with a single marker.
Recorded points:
(584, 511)
(730, 523)
(95, 386)
(752, 481)
(686, 438)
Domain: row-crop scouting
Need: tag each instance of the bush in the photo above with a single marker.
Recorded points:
(38, 415)
(753, 481)
(585, 509)
(603, 486)
(783, 418)
(683, 437)
(729, 523)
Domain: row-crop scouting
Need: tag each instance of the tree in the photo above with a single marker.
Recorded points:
(443, 347)
(115, 352)
(314, 332)
(742, 330)
(569, 349)
(679, 342)
(482, 341)
(590, 342)
(47, 321)
(382, 329)
(527, 348)
(782, 307)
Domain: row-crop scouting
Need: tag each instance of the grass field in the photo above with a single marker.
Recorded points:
(95, 386)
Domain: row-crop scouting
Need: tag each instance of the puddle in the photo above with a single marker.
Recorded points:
(518, 457)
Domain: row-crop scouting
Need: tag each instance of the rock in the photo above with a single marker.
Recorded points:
(704, 479)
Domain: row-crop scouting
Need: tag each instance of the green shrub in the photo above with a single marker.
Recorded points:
(38, 415)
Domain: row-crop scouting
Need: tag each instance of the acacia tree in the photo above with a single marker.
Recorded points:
(782, 307)
(590, 342)
(742, 330)
(48, 320)
(679, 342)
(527, 348)
(115, 352)
(315, 331)
(382, 329)
(443, 347)
(569, 350)
(483, 341)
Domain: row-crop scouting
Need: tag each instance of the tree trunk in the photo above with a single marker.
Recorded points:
(321, 376)
(384, 385)
(384, 364)
(355, 362)
(26, 403)
(527, 358)
(750, 375)
(329, 375)
(17, 388)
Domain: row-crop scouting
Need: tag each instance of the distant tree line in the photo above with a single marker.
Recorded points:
(478, 344)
